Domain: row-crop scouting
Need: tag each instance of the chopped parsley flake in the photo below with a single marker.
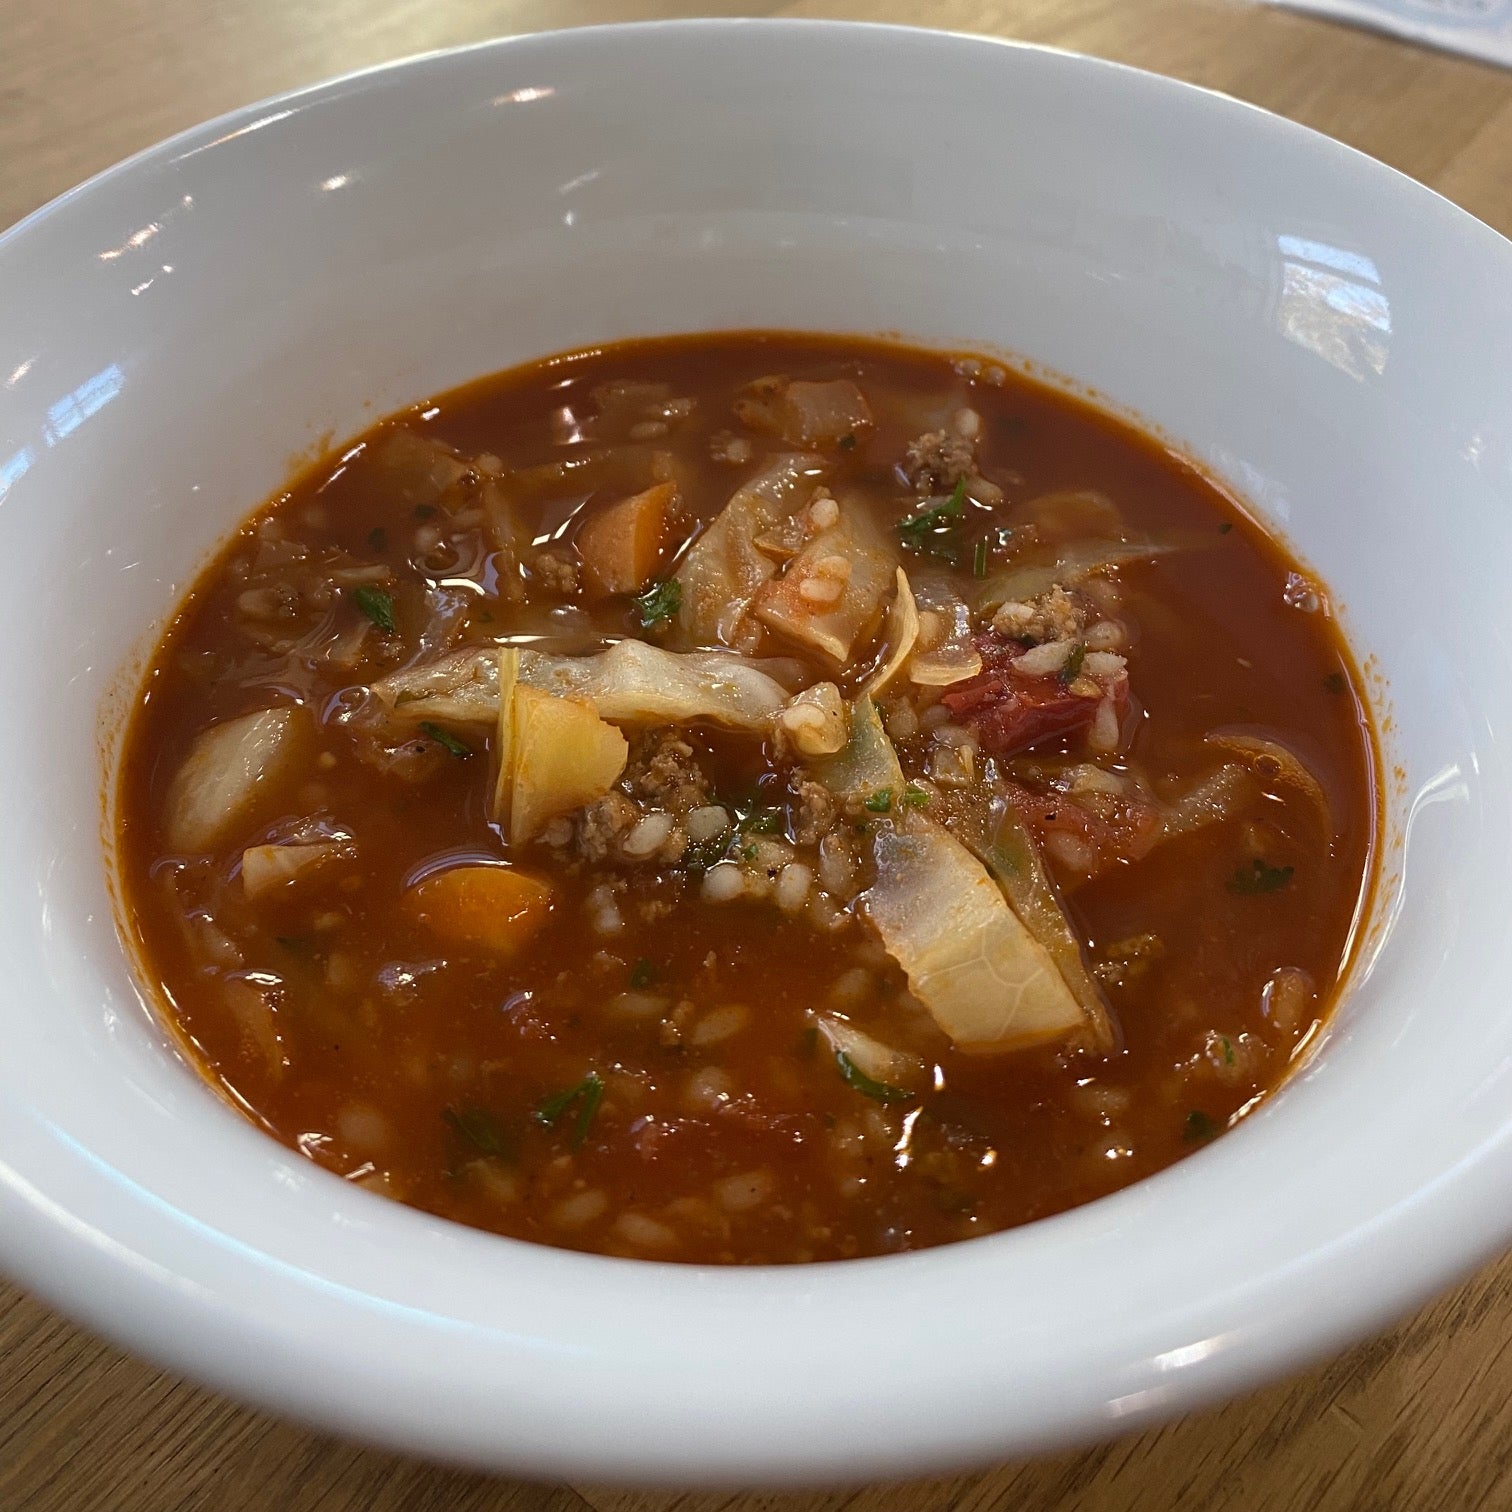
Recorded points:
(930, 529)
(1072, 670)
(659, 602)
(847, 442)
(1199, 1127)
(913, 797)
(761, 821)
(377, 538)
(1335, 683)
(979, 560)
(879, 802)
(588, 1094)
(642, 974)
(377, 604)
(445, 739)
(859, 1081)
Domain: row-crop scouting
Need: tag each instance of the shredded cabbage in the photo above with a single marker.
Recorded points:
(724, 567)
(630, 683)
(1014, 860)
(867, 763)
(985, 979)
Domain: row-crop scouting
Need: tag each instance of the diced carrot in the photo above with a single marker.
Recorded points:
(621, 546)
(494, 908)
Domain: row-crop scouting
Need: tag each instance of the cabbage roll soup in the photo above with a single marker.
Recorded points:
(748, 798)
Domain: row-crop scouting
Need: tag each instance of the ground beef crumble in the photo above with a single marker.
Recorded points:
(664, 772)
(938, 460)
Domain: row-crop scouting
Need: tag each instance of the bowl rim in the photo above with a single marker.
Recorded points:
(50, 1261)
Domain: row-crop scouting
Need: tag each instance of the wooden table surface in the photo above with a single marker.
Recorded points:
(1419, 1419)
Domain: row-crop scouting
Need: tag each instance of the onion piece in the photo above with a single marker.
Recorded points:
(416, 470)
(952, 657)
(902, 632)
(1214, 798)
(1013, 858)
(229, 768)
(822, 414)
(985, 979)
(1276, 766)
(266, 869)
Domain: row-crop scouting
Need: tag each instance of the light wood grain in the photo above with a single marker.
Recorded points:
(1419, 1419)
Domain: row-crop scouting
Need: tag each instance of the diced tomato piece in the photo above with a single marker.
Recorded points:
(1011, 713)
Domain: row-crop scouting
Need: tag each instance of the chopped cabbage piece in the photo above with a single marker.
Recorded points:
(725, 567)
(630, 683)
(866, 764)
(831, 594)
(985, 979)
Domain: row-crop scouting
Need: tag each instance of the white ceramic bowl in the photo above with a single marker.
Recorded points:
(1329, 338)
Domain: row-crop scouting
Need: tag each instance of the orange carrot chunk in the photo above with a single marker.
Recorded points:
(621, 546)
(494, 908)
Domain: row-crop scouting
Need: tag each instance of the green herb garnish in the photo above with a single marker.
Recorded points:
(1257, 877)
(377, 604)
(859, 1081)
(1228, 1049)
(294, 944)
(1225, 527)
(445, 738)
(913, 797)
(1335, 682)
(748, 853)
(642, 974)
(424, 511)
(1072, 669)
(761, 821)
(922, 531)
(377, 538)
(847, 442)
(879, 802)
(979, 560)
(1199, 1127)
(588, 1094)
(479, 1128)
(659, 602)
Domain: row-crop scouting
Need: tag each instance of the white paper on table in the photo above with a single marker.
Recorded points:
(1482, 28)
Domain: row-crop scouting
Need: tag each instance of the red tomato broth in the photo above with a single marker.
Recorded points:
(431, 1071)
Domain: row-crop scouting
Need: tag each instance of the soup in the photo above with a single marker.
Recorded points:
(748, 798)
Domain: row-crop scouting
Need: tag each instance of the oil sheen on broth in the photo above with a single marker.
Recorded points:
(748, 798)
